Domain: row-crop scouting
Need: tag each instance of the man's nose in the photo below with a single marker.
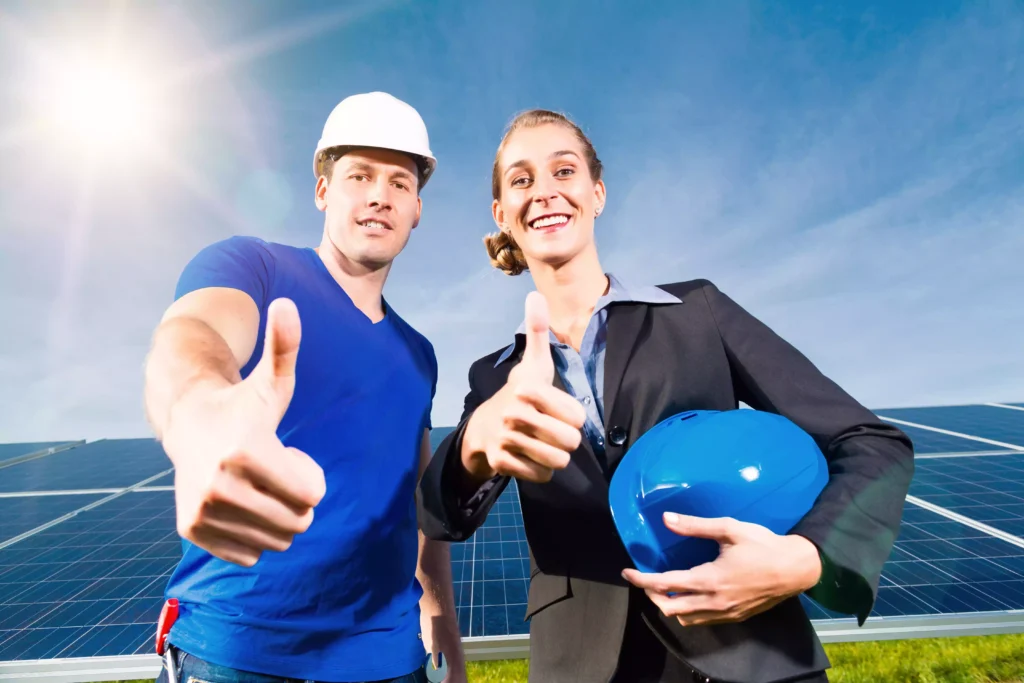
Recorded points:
(379, 196)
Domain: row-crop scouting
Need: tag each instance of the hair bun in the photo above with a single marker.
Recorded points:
(504, 253)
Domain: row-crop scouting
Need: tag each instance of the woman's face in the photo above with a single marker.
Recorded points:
(548, 200)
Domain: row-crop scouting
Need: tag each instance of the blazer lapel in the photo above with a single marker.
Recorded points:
(624, 323)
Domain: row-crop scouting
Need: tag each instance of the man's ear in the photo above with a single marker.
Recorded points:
(320, 193)
(419, 211)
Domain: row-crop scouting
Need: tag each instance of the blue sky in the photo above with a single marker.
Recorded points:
(852, 173)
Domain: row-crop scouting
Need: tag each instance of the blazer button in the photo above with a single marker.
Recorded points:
(617, 436)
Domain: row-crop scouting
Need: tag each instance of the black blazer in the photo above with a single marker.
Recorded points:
(703, 353)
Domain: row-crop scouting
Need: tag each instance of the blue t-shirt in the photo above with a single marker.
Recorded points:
(342, 603)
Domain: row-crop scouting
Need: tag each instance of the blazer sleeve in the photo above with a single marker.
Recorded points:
(856, 519)
(444, 512)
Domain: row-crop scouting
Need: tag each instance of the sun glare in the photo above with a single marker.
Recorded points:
(103, 106)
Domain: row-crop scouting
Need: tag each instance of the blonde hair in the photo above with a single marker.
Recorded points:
(504, 253)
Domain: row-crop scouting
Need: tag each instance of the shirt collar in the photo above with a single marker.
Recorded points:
(618, 292)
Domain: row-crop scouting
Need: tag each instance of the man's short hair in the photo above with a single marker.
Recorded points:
(330, 156)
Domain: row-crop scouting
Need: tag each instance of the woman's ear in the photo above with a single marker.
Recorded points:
(600, 197)
(499, 216)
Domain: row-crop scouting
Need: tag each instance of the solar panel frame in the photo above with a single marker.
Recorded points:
(982, 421)
(161, 481)
(927, 442)
(988, 490)
(10, 451)
(21, 515)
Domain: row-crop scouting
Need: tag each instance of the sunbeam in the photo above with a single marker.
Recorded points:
(75, 251)
(275, 41)
(192, 181)
(82, 120)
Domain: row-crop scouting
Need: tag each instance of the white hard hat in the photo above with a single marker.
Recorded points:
(377, 119)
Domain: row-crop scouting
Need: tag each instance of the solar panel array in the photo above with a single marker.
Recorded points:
(88, 541)
(99, 465)
(91, 585)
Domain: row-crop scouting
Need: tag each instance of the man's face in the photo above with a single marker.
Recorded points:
(372, 205)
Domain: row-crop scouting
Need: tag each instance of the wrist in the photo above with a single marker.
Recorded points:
(806, 562)
(473, 456)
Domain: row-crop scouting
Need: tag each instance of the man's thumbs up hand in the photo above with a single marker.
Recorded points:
(529, 428)
(238, 490)
(273, 378)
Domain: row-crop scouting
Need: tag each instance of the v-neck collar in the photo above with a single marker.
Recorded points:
(341, 290)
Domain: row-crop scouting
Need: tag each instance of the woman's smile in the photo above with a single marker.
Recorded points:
(549, 222)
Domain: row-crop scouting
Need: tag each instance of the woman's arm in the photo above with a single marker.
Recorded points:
(526, 429)
(857, 517)
(450, 508)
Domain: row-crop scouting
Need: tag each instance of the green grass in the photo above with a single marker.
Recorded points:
(976, 659)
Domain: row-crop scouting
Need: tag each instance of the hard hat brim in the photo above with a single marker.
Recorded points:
(426, 163)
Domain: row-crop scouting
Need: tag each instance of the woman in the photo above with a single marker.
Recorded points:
(596, 363)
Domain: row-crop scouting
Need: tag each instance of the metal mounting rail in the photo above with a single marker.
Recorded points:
(129, 667)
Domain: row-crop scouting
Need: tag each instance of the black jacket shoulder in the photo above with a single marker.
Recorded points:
(682, 290)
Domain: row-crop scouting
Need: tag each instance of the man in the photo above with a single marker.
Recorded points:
(295, 471)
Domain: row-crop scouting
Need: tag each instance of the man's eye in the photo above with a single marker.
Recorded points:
(358, 176)
(400, 186)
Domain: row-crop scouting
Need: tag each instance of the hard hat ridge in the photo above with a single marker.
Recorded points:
(377, 120)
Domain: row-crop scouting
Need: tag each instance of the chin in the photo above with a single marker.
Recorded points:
(376, 259)
(554, 259)
(554, 252)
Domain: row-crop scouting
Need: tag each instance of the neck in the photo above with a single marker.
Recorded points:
(571, 289)
(365, 286)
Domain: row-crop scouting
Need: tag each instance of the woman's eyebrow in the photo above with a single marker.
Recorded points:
(522, 163)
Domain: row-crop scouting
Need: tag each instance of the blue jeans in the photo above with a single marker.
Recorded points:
(191, 669)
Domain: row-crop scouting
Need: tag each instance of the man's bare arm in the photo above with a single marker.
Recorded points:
(437, 606)
(238, 490)
(204, 338)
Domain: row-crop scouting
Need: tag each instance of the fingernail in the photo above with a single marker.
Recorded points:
(671, 517)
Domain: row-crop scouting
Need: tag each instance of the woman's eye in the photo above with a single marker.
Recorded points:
(520, 181)
(565, 171)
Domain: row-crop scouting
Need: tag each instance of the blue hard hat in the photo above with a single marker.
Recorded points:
(750, 465)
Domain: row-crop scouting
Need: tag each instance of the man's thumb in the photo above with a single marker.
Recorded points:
(276, 369)
(538, 340)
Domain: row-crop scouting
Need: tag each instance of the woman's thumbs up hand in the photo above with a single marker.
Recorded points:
(529, 428)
